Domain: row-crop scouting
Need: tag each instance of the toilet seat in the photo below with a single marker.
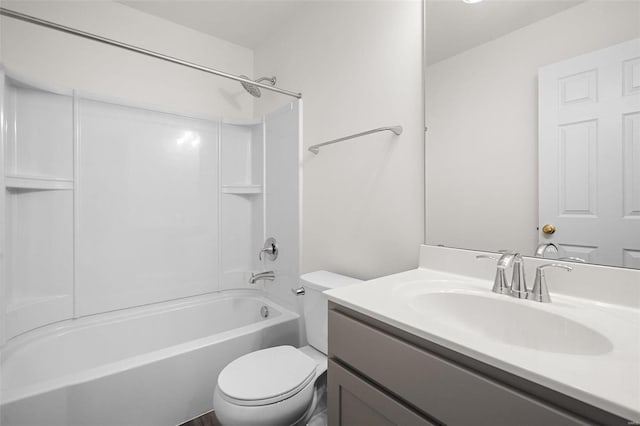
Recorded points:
(275, 374)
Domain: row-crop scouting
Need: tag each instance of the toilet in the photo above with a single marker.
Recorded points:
(283, 385)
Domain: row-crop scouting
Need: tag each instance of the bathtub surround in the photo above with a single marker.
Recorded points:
(135, 206)
(145, 181)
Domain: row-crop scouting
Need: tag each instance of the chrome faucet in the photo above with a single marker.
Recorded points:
(518, 286)
(265, 276)
(542, 249)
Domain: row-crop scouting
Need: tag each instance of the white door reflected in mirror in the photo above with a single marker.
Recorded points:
(589, 155)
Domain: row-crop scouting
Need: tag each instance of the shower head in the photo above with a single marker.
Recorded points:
(254, 90)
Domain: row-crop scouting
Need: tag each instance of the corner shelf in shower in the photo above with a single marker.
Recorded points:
(242, 189)
(16, 182)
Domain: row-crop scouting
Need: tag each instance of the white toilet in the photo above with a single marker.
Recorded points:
(281, 386)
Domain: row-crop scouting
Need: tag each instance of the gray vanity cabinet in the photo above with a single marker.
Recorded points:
(380, 375)
(361, 403)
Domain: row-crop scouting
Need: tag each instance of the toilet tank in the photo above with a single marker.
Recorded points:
(315, 304)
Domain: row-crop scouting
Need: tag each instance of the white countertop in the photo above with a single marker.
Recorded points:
(608, 378)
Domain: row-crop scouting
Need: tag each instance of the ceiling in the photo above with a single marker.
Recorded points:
(243, 22)
(451, 25)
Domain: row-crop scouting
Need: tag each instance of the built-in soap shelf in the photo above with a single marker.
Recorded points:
(242, 201)
(242, 189)
(17, 182)
(38, 217)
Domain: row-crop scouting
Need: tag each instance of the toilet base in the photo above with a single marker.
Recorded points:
(317, 415)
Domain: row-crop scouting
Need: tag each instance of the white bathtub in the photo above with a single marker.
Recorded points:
(154, 365)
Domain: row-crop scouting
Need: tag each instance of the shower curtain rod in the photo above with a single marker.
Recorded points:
(52, 25)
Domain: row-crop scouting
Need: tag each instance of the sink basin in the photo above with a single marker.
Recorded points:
(510, 321)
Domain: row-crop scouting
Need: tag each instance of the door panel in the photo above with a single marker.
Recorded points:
(589, 155)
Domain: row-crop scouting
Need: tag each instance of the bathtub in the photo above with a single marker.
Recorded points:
(155, 365)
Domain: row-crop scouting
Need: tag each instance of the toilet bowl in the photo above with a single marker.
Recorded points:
(282, 385)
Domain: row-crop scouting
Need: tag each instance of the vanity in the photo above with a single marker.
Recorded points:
(436, 346)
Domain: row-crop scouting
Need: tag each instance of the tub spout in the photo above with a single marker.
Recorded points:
(266, 276)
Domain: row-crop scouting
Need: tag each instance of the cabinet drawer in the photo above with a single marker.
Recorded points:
(352, 401)
(443, 390)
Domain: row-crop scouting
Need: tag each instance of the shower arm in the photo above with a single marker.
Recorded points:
(69, 30)
(271, 80)
(395, 129)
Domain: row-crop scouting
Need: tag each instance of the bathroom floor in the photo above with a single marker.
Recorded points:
(207, 419)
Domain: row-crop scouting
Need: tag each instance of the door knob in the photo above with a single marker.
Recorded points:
(548, 229)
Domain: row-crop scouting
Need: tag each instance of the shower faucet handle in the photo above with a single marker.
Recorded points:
(270, 250)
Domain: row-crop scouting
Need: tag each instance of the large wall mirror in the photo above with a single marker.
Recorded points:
(533, 116)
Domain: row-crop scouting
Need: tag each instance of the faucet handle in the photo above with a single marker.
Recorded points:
(500, 284)
(270, 249)
(574, 259)
(540, 290)
(486, 256)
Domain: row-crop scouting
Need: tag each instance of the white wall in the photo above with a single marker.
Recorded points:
(481, 108)
(69, 61)
(358, 66)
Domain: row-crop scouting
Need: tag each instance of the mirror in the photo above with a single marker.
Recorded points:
(486, 188)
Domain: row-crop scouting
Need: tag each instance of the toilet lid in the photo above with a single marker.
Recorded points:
(266, 376)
